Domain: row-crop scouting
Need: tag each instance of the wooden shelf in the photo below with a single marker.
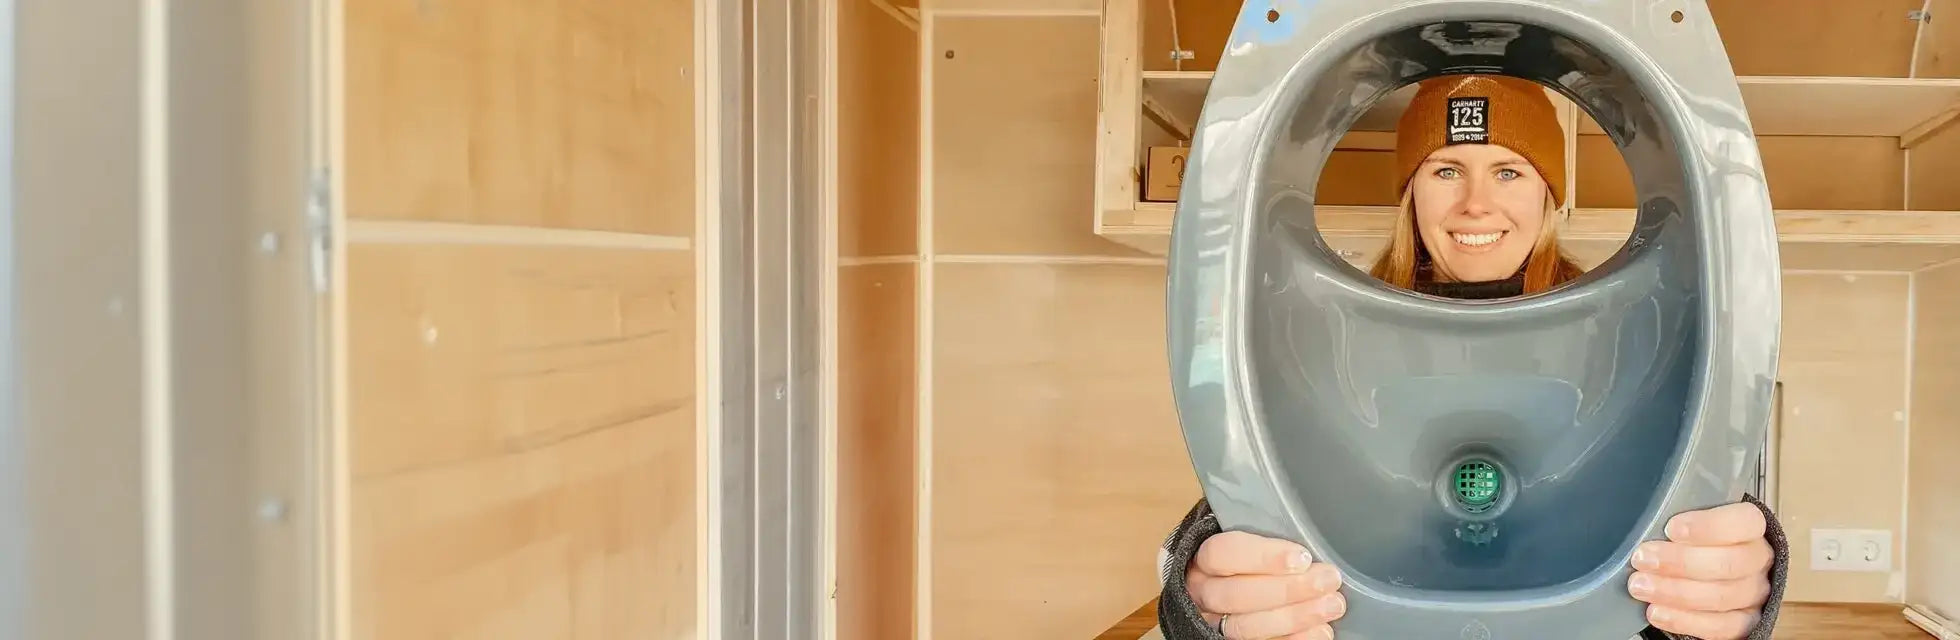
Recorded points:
(1823, 240)
(1182, 93)
(1778, 105)
(1864, 133)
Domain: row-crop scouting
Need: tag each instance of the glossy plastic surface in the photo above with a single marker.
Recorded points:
(1324, 406)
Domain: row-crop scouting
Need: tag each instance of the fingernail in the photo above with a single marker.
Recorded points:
(1321, 633)
(1677, 528)
(1641, 585)
(1299, 562)
(1645, 558)
(1333, 605)
(1659, 615)
(1327, 581)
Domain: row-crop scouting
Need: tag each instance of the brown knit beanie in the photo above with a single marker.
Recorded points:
(1500, 110)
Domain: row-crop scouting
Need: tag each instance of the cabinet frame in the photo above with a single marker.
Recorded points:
(1912, 109)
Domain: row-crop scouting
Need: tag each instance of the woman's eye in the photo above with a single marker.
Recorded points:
(1509, 174)
(1446, 173)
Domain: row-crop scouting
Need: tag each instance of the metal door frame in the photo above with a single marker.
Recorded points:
(766, 236)
(159, 323)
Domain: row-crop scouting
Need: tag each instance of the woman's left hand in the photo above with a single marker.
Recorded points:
(1710, 578)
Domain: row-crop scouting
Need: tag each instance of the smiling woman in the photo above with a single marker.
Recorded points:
(1481, 164)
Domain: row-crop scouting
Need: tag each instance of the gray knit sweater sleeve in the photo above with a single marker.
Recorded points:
(1179, 619)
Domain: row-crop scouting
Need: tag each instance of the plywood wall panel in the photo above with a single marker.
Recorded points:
(1030, 7)
(1202, 29)
(1934, 163)
(1057, 463)
(1938, 55)
(1864, 256)
(1803, 173)
(876, 450)
(1359, 178)
(1843, 368)
(1603, 180)
(1014, 136)
(521, 113)
(1812, 37)
(1833, 173)
(877, 132)
(1933, 499)
(459, 351)
(522, 434)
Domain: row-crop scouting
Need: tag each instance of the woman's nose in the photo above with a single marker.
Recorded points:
(1477, 197)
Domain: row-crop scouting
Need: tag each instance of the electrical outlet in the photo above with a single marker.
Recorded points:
(1850, 550)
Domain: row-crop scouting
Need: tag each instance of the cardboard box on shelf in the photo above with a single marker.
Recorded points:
(1163, 174)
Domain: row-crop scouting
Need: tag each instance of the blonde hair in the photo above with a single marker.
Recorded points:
(1406, 260)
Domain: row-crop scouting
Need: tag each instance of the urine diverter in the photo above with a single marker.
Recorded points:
(1476, 469)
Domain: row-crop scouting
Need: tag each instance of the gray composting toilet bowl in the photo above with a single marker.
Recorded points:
(1323, 406)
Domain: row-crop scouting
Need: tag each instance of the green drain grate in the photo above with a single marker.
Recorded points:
(1477, 485)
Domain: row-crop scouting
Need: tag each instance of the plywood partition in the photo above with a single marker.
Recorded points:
(878, 102)
(1057, 465)
(1011, 155)
(1932, 548)
(1053, 465)
(1842, 451)
(520, 319)
(1812, 37)
(1805, 173)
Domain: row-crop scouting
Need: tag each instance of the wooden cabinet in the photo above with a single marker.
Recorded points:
(1857, 148)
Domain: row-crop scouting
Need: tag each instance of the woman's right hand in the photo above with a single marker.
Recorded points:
(1264, 588)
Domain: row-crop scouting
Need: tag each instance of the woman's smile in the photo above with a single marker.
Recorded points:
(1477, 242)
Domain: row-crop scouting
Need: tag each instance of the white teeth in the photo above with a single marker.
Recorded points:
(1477, 239)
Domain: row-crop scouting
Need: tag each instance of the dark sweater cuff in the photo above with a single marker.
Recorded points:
(1177, 614)
(1779, 571)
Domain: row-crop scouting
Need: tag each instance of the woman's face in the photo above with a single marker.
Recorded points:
(1478, 211)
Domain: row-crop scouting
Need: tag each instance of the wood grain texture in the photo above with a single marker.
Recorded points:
(1120, 132)
(1843, 621)
(1812, 37)
(1865, 257)
(878, 106)
(575, 115)
(1202, 29)
(1933, 490)
(1804, 172)
(1028, 7)
(1843, 366)
(1057, 463)
(522, 434)
(1014, 136)
(1138, 624)
(877, 439)
(1359, 178)
(1934, 163)
(1938, 55)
